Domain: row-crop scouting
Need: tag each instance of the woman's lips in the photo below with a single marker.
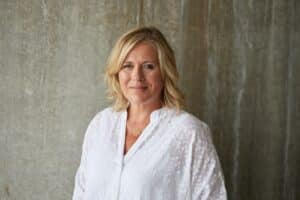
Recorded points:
(138, 87)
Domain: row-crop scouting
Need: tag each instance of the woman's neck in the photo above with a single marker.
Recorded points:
(141, 113)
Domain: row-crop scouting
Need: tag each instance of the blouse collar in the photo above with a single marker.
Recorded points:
(156, 114)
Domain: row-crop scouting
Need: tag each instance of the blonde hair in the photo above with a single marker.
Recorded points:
(171, 95)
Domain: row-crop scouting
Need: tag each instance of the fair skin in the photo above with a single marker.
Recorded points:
(141, 84)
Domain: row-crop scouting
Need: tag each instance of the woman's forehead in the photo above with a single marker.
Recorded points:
(142, 51)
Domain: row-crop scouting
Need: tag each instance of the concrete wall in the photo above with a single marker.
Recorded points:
(239, 64)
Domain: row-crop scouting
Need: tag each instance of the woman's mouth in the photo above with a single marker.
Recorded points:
(138, 87)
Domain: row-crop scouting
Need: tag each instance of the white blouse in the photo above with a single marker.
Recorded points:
(173, 159)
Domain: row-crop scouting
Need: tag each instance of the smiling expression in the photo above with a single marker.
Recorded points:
(140, 77)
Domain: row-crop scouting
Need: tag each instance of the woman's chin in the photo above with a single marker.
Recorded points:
(137, 101)
(143, 101)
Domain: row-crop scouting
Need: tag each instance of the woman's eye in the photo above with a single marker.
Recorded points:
(149, 65)
(127, 66)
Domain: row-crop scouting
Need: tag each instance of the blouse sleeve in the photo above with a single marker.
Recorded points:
(206, 179)
(80, 182)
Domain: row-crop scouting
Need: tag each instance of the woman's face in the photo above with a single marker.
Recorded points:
(140, 78)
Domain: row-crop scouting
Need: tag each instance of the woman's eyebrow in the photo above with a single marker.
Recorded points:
(146, 61)
(150, 61)
(127, 62)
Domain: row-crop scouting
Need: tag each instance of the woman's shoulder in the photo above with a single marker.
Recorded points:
(188, 125)
(103, 119)
(189, 121)
(186, 129)
(103, 116)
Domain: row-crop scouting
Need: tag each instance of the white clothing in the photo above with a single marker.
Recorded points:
(173, 159)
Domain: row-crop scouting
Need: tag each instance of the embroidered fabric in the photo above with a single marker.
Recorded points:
(173, 159)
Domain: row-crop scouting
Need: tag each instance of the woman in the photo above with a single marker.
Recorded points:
(145, 146)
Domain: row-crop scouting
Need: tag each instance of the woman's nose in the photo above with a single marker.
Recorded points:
(138, 73)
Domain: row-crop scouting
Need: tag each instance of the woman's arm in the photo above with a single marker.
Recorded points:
(80, 177)
(207, 180)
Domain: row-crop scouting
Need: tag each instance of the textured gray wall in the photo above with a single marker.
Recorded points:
(238, 61)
